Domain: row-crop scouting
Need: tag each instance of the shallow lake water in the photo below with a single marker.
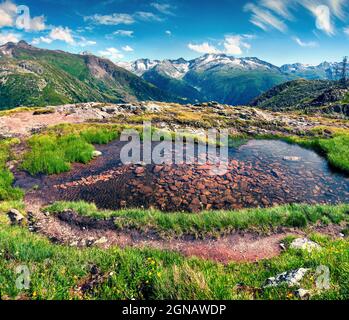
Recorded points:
(261, 173)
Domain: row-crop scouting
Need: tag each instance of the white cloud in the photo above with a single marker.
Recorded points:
(264, 19)
(83, 42)
(37, 24)
(39, 40)
(127, 49)
(203, 48)
(9, 37)
(122, 18)
(124, 33)
(322, 14)
(147, 16)
(168, 32)
(231, 45)
(62, 34)
(234, 45)
(112, 54)
(10, 12)
(113, 19)
(268, 13)
(164, 8)
(338, 8)
(310, 44)
(346, 30)
(279, 7)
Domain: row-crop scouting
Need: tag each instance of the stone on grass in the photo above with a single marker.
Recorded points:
(304, 244)
(15, 216)
(291, 278)
(303, 294)
(96, 154)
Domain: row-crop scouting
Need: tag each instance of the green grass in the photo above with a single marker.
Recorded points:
(212, 222)
(7, 192)
(52, 153)
(99, 135)
(56, 271)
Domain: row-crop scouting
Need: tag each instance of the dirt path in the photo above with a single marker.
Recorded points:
(73, 230)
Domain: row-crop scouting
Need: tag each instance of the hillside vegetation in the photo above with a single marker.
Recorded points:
(37, 77)
(307, 96)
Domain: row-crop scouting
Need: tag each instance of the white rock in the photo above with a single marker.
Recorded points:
(291, 278)
(304, 244)
(96, 154)
(302, 293)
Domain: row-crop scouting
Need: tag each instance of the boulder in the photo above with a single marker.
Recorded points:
(304, 244)
(16, 217)
(291, 278)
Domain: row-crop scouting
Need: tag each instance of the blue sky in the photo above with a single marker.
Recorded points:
(278, 31)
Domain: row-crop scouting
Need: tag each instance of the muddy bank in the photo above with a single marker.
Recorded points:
(261, 173)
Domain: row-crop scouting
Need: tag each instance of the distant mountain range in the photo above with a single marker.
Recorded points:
(36, 77)
(223, 78)
(30, 76)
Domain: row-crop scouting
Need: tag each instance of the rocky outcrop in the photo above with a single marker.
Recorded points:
(291, 278)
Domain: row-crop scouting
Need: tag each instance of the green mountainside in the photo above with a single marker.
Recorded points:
(234, 86)
(35, 77)
(306, 95)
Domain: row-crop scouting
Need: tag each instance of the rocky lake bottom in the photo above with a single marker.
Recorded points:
(260, 173)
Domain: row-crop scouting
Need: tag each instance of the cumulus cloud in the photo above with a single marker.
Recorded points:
(264, 19)
(39, 40)
(164, 8)
(12, 15)
(231, 45)
(235, 45)
(8, 12)
(83, 42)
(204, 47)
(310, 44)
(112, 54)
(127, 48)
(63, 34)
(168, 32)
(9, 37)
(124, 33)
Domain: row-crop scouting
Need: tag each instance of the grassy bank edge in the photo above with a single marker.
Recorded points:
(212, 223)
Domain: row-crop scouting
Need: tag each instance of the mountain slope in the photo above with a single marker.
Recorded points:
(306, 95)
(34, 77)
